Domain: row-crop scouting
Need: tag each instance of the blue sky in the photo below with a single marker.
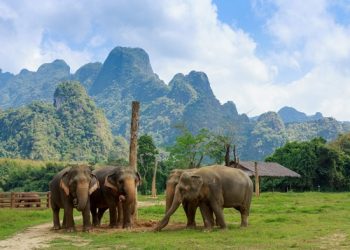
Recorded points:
(261, 54)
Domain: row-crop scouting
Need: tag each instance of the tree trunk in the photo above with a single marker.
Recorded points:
(133, 143)
(227, 154)
(154, 189)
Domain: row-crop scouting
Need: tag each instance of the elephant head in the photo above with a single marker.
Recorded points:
(190, 187)
(123, 181)
(171, 184)
(78, 183)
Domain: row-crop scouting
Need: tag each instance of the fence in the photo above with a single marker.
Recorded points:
(33, 200)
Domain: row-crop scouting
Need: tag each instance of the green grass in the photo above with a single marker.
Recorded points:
(14, 220)
(277, 221)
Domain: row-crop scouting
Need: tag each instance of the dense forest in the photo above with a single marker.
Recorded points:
(322, 166)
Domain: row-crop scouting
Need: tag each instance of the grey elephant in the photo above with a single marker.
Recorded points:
(189, 207)
(117, 193)
(71, 188)
(214, 188)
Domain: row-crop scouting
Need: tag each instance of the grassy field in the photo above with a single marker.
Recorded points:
(14, 220)
(277, 221)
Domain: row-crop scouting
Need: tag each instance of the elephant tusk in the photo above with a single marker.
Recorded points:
(122, 198)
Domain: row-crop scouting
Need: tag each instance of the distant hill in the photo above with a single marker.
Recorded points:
(72, 128)
(187, 100)
(289, 115)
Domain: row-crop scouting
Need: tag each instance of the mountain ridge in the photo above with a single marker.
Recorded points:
(188, 100)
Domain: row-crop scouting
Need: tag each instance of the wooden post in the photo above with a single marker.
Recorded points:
(154, 189)
(48, 204)
(133, 142)
(257, 181)
(13, 199)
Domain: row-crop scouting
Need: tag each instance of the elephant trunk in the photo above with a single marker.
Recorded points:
(174, 206)
(169, 196)
(82, 195)
(129, 202)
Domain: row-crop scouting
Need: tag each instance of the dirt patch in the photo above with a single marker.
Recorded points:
(37, 237)
(40, 236)
(334, 241)
(140, 226)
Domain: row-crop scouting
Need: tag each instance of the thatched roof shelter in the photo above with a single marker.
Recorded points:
(271, 169)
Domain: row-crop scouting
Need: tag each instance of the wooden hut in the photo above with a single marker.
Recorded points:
(267, 169)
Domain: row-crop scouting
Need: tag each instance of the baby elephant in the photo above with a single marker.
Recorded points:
(71, 188)
(117, 193)
(214, 188)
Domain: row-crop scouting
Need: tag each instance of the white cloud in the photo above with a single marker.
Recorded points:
(182, 35)
(311, 45)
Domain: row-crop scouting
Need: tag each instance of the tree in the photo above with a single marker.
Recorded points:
(318, 163)
(146, 158)
(189, 150)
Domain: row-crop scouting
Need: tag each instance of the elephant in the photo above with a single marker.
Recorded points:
(31, 198)
(189, 207)
(71, 188)
(117, 193)
(214, 188)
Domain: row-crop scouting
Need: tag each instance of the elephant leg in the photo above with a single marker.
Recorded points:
(86, 219)
(120, 213)
(207, 215)
(68, 218)
(64, 221)
(219, 214)
(56, 218)
(112, 206)
(95, 221)
(127, 216)
(244, 217)
(100, 214)
(191, 214)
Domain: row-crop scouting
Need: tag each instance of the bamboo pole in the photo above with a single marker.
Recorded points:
(257, 180)
(154, 189)
(133, 142)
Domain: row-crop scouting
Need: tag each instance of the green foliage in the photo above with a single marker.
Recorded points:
(192, 150)
(71, 129)
(26, 175)
(320, 166)
(146, 161)
(119, 155)
(189, 150)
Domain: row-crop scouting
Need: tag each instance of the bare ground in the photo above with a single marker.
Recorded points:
(40, 236)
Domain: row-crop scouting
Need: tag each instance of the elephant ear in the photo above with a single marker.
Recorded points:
(64, 183)
(138, 179)
(108, 182)
(94, 184)
(196, 181)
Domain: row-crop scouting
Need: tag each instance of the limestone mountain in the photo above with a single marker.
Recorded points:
(72, 128)
(289, 114)
(127, 75)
